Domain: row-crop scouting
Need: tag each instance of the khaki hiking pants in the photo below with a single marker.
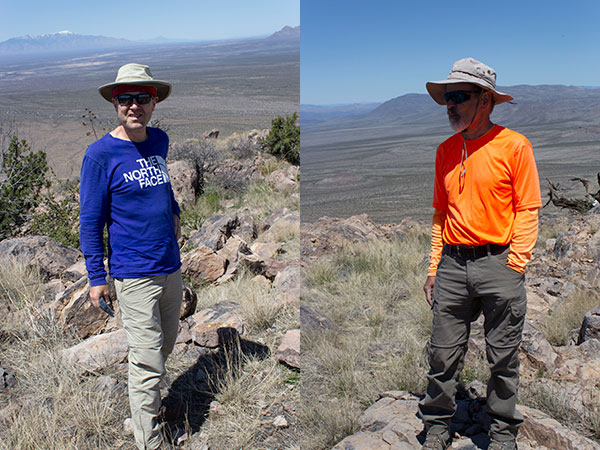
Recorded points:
(465, 286)
(150, 312)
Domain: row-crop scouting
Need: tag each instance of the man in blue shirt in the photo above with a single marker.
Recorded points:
(125, 186)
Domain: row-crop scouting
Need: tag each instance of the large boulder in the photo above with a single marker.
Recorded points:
(217, 325)
(215, 231)
(77, 312)
(98, 352)
(185, 181)
(41, 252)
(203, 263)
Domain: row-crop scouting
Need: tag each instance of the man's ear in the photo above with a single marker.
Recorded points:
(114, 102)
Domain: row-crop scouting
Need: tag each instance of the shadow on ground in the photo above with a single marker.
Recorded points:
(188, 402)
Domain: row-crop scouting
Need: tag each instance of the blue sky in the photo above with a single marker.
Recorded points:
(189, 19)
(365, 51)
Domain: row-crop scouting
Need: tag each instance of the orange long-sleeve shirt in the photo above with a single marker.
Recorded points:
(494, 201)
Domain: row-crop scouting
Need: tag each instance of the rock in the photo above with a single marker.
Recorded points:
(75, 272)
(7, 378)
(247, 228)
(265, 249)
(284, 179)
(232, 249)
(78, 312)
(327, 234)
(189, 302)
(128, 426)
(212, 134)
(590, 328)
(185, 181)
(215, 231)
(281, 224)
(549, 433)
(216, 408)
(212, 327)
(313, 320)
(280, 422)
(288, 351)
(261, 280)
(392, 423)
(98, 352)
(538, 350)
(183, 336)
(288, 284)
(203, 263)
(41, 252)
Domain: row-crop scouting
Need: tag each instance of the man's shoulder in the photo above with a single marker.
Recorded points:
(100, 148)
(512, 135)
(157, 134)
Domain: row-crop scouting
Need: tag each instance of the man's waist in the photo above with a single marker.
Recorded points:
(474, 252)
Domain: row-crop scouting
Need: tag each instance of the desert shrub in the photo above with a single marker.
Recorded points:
(284, 138)
(60, 217)
(22, 178)
(244, 149)
(202, 153)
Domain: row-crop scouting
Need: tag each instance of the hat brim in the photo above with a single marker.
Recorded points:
(437, 89)
(163, 88)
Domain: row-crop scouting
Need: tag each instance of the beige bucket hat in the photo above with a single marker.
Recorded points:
(468, 70)
(138, 75)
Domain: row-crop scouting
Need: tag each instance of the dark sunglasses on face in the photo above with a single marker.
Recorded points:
(128, 99)
(458, 97)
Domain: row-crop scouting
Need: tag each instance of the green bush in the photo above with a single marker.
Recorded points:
(22, 178)
(284, 138)
(60, 217)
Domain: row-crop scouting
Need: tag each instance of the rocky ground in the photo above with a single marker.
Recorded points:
(565, 264)
(217, 340)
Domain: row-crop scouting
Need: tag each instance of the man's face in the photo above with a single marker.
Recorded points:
(461, 115)
(135, 116)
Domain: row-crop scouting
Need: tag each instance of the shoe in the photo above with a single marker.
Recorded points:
(502, 445)
(435, 442)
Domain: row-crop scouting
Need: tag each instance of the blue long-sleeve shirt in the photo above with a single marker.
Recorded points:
(126, 186)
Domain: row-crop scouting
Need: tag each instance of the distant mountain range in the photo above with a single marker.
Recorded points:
(68, 41)
(533, 105)
(61, 41)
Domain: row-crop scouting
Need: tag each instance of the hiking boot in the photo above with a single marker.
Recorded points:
(502, 445)
(435, 442)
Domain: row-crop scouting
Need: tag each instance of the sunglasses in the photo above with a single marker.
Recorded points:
(458, 97)
(128, 99)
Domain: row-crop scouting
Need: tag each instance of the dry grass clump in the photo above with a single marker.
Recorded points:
(372, 292)
(250, 393)
(565, 319)
(52, 405)
(262, 199)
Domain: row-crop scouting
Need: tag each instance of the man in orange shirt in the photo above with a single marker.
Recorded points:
(486, 199)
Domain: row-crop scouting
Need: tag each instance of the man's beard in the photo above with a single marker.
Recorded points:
(459, 124)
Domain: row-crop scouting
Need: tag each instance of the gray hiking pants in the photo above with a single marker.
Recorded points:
(465, 285)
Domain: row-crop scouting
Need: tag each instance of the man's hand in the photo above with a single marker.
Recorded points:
(177, 226)
(98, 291)
(428, 288)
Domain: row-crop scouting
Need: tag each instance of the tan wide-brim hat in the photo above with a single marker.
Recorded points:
(468, 70)
(137, 75)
